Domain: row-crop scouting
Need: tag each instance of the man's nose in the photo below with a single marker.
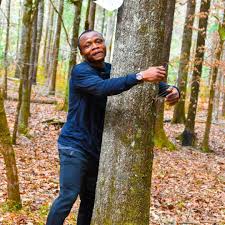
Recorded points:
(94, 46)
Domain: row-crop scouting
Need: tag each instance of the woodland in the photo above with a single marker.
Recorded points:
(160, 164)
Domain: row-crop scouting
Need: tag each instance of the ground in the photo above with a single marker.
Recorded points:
(188, 186)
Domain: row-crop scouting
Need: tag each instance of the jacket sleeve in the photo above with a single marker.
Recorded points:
(163, 87)
(86, 81)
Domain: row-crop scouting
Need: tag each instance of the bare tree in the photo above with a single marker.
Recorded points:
(8, 153)
(188, 136)
(6, 64)
(179, 109)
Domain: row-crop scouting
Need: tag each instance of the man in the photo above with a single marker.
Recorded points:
(81, 136)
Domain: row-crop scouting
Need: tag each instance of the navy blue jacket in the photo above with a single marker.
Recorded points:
(88, 91)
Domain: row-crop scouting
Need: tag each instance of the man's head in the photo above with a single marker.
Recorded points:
(92, 46)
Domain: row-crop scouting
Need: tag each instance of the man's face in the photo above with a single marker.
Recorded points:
(92, 46)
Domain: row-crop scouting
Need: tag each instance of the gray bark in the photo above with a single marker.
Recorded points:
(55, 51)
(123, 189)
(179, 109)
(6, 64)
(188, 136)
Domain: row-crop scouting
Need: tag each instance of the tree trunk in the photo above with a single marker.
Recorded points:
(124, 180)
(55, 51)
(25, 49)
(86, 25)
(160, 138)
(91, 16)
(7, 151)
(40, 20)
(179, 110)
(74, 40)
(49, 47)
(218, 53)
(111, 24)
(6, 63)
(218, 90)
(188, 136)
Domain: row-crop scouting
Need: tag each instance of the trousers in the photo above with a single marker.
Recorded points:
(78, 176)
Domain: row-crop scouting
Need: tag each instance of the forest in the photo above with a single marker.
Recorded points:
(159, 164)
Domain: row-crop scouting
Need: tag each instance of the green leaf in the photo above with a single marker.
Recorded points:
(221, 31)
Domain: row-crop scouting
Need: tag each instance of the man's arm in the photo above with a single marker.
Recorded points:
(84, 80)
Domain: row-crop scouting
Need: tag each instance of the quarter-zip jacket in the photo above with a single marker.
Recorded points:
(88, 91)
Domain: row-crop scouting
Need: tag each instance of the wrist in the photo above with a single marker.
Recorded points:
(139, 76)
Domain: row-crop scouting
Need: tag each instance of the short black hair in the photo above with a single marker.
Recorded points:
(84, 32)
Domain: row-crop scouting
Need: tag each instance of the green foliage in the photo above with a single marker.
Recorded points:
(221, 31)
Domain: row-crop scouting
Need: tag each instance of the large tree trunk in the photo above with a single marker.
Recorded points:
(86, 24)
(55, 51)
(6, 64)
(160, 138)
(179, 110)
(25, 49)
(74, 40)
(91, 16)
(188, 136)
(218, 53)
(7, 151)
(124, 181)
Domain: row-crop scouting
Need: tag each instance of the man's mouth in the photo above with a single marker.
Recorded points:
(97, 53)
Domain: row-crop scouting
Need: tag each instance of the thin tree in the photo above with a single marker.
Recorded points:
(6, 63)
(218, 53)
(160, 138)
(74, 41)
(55, 51)
(124, 179)
(86, 24)
(48, 39)
(24, 64)
(8, 153)
(179, 109)
(188, 136)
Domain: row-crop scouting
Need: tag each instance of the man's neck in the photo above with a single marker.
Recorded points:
(99, 65)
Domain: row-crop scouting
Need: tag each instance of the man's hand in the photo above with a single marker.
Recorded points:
(154, 74)
(173, 96)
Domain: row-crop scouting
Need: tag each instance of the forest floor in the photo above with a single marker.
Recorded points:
(188, 186)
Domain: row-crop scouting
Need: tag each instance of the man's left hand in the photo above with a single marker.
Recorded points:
(172, 96)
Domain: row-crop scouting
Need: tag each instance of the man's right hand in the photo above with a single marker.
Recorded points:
(154, 74)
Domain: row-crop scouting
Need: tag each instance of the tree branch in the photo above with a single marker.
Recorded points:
(67, 36)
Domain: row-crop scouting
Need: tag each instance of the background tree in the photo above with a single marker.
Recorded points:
(8, 153)
(124, 181)
(160, 138)
(24, 63)
(74, 41)
(179, 109)
(6, 63)
(55, 51)
(188, 136)
(218, 53)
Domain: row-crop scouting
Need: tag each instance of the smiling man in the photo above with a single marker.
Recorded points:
(80, 140)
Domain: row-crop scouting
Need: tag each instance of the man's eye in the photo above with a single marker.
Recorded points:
(99, 41)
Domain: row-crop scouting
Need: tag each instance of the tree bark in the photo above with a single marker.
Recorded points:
(179, 110)
(110, 31)
(55, 51)
(74, 41)
(188, 136)
(6, 63)
(86, 24)
(8, 153)
(91, 16)
(218, 53)
(49, 47)
(25, 49)
(160, 138)
(124, 180)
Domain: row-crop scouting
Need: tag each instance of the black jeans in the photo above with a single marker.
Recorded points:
(78, 175)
